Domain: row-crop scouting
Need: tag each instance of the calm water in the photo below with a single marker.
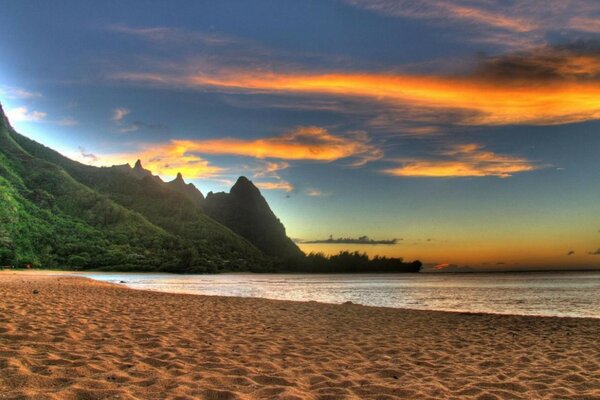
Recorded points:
(553, 294)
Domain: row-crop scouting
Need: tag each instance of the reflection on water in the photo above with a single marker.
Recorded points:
(574, 294)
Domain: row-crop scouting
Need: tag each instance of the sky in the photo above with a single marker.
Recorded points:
(468, 131)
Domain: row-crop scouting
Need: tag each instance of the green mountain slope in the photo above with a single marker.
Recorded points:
(57, 212)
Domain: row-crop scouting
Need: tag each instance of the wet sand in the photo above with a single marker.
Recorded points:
(74, 338)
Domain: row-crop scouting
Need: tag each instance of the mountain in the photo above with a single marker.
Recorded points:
(58, 212)
(187, 189)
(245, 211)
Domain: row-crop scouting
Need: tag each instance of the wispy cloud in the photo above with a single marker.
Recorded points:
(317, 193)
(119, 113)
(452, 10)
(170, 35)
(12, 92)
(118, 118)
(585, 24)
(129, 128)
(469, 160)
(23, 114)
(67, 121)
(268, 169)
(89, 156)
(278, 185)
(514, 24)
(267, 173)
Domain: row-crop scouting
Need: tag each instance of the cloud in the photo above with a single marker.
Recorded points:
(89, 156)
(472, 100)
(264, 169)
(279, 185)
(129, 128)
(317, 193)
(571, 253)
(585, 24)
(118, 118)
(359, 240)
(67, 121)
(169, 164)
(119, 113)
(268, 169)
(12, 92)
(518, 23)
(594, 253)
(23, 114)
(468, 160)
(574, 62)
(302, 143)
(444, 11)
(170, 35)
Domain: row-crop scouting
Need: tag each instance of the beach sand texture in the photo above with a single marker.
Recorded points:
(74, 338)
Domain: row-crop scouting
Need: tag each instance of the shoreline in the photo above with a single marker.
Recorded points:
(79, 274)
(81, 338)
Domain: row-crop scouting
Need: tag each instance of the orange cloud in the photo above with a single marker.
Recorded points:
(280, 185)
(272, 167)
(303, 143)
(161, 161)
(585, 24)
(469, 160)
(482, 101)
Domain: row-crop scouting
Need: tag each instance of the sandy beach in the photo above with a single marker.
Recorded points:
(74, 338)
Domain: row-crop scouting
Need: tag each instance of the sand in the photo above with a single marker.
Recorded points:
(74, 338)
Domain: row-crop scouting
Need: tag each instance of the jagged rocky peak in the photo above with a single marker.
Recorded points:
(188, 189)
(245, 211)
(140, 172)
(138, 165)
(244, 187)
(179, 178)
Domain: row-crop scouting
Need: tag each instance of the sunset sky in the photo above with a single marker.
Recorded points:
(467, 130)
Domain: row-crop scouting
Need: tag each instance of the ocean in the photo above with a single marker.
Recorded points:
(565, 294)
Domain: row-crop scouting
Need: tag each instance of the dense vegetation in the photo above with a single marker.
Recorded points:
(100, 218)
(349, 262)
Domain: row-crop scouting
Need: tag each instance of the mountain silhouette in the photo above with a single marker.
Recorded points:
(246, 212)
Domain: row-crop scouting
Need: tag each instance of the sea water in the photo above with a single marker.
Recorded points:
(573, 294)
